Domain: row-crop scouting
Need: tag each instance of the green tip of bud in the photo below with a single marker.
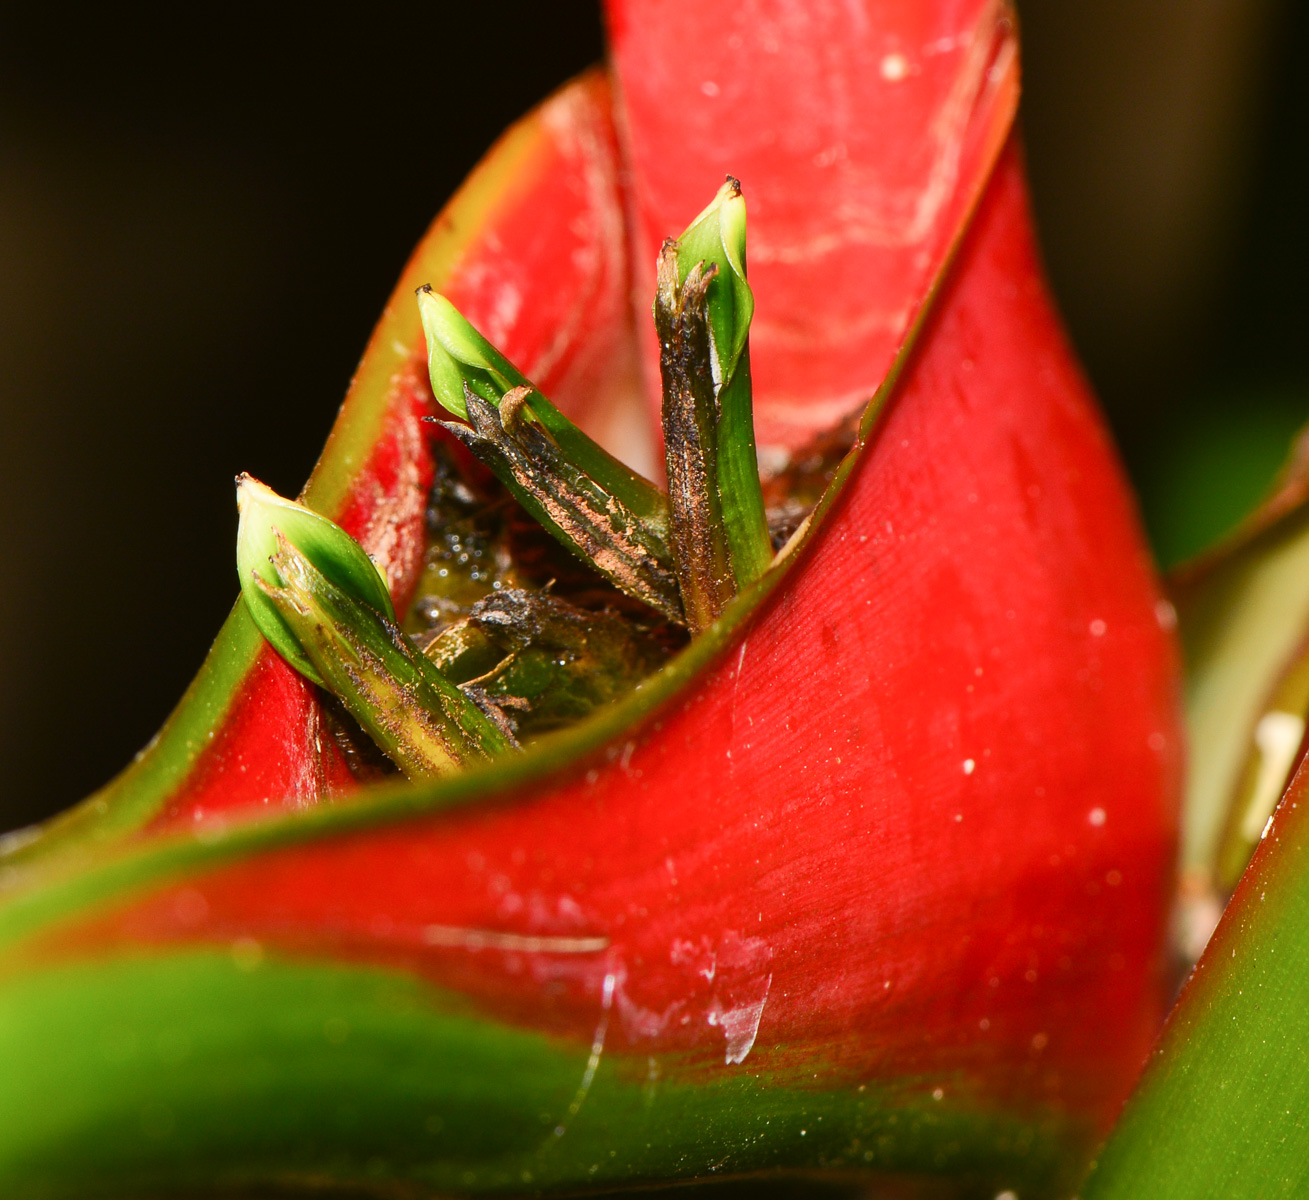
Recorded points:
(723, 218)
(457, 355)
(718, 233)
(444, 327)
(717, 236)
(264, 517)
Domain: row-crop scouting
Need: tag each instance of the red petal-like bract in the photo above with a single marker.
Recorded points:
(543, 271)
(854, 129)
(918, 822)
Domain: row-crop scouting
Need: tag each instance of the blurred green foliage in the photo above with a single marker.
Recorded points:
(1216, 466)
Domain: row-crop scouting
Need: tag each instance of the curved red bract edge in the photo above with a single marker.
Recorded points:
(916, 825)
(545, 277)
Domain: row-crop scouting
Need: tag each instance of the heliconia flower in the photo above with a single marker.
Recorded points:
(873, 877)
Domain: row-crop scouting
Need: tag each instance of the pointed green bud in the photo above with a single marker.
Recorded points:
(265, 515)
(458, 357)
(458, 354)
(420, 719)
(717, 237)
(702, 280)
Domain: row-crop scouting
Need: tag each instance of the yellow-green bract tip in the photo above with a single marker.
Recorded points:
(448, 345)
(457, 354)
(717, 236)
(265, 514)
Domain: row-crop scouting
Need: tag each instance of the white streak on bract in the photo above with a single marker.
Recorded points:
(736, 687)
(740, 1025)
(593, 1062)
(490, 939)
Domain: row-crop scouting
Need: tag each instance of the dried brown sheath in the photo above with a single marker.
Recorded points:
(690, 420)
(593, 524)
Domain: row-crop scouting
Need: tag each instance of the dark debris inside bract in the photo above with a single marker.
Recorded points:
(530, 632)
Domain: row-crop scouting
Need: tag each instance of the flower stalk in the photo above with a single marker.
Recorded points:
(703, 309)
(568, 502)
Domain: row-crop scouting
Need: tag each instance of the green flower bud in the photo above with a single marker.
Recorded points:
(458, 354)
(264, 515)
(717, 238)
(702, 282)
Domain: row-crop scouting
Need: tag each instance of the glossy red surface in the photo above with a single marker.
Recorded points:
(859, 133)
(916, 826)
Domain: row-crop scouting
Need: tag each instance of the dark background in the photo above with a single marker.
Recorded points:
(201, 218)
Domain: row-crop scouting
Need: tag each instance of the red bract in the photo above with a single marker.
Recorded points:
(895, 843)
(532, 249)
(861, 133)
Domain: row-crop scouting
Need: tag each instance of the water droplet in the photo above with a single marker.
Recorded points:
(894, 68)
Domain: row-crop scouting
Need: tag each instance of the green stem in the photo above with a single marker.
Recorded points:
(714, 245)
(739, 492)
(569, 504)
(701, 548)
(424, 723)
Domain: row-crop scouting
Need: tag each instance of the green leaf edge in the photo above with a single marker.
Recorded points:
(1219, 1110)
(269, 1050)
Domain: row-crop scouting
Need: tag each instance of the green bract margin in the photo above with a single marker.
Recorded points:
(259, 1078)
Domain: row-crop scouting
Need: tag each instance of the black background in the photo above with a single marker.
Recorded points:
(200, 218)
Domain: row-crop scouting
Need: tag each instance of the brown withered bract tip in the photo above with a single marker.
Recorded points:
(511, 407)
(698, 279)
(735, 183)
